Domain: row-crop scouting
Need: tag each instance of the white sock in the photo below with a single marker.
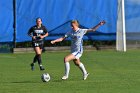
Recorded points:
(67, 68)
(81, 66)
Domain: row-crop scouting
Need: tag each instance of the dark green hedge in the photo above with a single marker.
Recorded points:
(67, 43)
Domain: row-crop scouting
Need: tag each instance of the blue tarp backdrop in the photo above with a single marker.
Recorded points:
(6, 20)
(56, 16)
(132, 8)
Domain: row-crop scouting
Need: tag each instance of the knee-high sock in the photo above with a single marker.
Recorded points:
(35, 59)
(82, 67)
(39, 60)
(67, 68)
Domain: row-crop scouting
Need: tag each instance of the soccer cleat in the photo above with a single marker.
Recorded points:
(85, 76)
(64, 77)
(42, 68)
(32, 66)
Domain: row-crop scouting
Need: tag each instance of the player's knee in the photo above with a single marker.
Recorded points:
(66, 59)
(38, 56)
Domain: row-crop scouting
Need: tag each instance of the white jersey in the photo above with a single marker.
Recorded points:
(76, 40)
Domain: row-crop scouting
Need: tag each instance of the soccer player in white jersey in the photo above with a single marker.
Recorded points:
(76, 36)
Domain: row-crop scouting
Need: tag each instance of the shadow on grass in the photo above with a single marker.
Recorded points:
(25, 82)
(35, 81)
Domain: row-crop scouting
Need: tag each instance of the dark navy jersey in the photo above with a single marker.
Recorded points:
(35, 31)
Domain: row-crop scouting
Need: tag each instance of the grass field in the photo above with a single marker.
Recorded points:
(110, 72)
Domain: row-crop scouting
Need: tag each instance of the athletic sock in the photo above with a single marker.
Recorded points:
(35, 59)
(39, 60)
(82, 67)
(67, 68)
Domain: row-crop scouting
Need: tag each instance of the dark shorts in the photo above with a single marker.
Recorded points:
(39, 44)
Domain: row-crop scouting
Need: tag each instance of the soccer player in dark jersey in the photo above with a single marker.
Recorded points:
(38, 33)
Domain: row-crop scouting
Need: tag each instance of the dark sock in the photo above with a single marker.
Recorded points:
(35, 59)
(39, 59)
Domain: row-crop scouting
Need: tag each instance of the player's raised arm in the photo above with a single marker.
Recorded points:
(57, 40)
(96, 27)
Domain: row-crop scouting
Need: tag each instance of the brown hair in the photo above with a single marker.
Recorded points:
(38, 18)
(75, 22)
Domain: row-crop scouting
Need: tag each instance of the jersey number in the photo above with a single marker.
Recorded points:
(36, 44)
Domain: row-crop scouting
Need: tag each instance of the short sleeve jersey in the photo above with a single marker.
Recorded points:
(76, 39)
(35, 31)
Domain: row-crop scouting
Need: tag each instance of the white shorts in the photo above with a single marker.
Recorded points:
(77, 54)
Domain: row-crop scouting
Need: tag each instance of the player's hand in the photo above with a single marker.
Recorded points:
(41, 36)
(102, 23)
(52, 42)
(34, 37)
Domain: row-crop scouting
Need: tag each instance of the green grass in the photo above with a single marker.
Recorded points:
(110, 72)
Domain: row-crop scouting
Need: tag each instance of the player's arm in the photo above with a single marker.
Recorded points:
(61, 38)
(57, 40)
(46, 33)
(30, 33)
(96, 27)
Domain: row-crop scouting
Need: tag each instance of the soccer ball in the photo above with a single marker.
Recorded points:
(45, 77)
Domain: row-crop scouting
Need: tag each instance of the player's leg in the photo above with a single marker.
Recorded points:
(82, 68)
(35, 57)
(67, 65)
(38, 53)
(41, 46)
(34, 61)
